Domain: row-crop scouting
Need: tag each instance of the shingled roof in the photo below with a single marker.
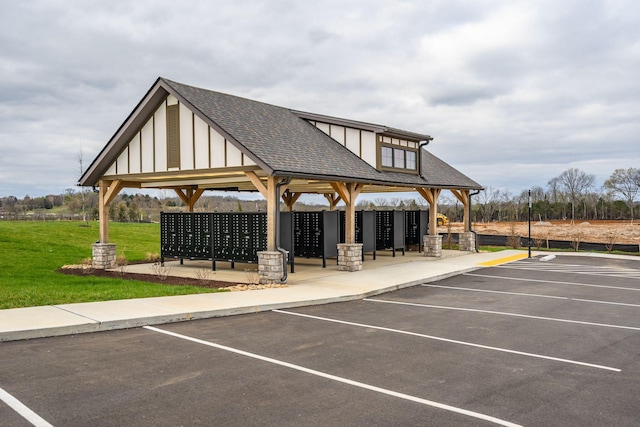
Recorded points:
(280, 140)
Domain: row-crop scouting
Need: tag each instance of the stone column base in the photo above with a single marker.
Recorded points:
(349, 256)
(270, 267)
(104, 255)
(467, 241)
(432, 246)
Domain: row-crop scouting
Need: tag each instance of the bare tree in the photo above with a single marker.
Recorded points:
(575, 182)
(83, 190)
(626, 184)
(487, 201)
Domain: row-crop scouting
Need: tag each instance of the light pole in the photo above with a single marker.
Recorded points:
(529, 243)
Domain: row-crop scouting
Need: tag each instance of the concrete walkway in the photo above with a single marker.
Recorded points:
(309, 285)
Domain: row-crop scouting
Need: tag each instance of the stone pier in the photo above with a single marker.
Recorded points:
(467, 241)
(104, 255)
(270, 267)
(349, 256)
(432, 246)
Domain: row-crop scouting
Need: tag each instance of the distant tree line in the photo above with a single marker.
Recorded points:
(571, 195)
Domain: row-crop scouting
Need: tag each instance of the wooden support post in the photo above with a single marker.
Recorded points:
(348, 192)
(103, 212)
(273, 210)
(463, 197)
(108, 191)
(431, 195)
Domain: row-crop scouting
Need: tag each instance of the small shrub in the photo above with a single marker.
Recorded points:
(448, 243)
(610, 240)
(513, 240)
(576, 238)
(202, 274)
(160, 270)
(121, 264)
(539, 241)
(152, 257)
(253, 277)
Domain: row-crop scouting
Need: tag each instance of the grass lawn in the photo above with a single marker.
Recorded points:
(32, 251)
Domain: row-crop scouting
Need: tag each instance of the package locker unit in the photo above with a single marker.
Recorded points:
(232, 237)
(390, 231)
(239, 236)
(185, 235)
(416, 226)
(316, 234)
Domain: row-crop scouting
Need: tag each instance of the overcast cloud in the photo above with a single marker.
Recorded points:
(514, 92)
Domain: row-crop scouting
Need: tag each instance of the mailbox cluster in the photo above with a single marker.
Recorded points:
(390, 231)
(316, 234)
(233, 237)
(239, 236)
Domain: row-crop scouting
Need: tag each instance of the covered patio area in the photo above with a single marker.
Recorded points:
(191, 140)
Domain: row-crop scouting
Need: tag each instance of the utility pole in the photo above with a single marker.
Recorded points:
(529, 243)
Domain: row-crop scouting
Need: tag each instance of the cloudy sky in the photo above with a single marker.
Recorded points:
(514, 92)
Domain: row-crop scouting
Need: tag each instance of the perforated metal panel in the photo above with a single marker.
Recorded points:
(316, 234)
(390, 231)
(416, 226)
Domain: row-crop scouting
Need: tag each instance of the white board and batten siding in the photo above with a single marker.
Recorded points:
(201, 147)
(359, 141)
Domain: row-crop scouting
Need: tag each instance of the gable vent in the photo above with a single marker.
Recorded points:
(173, 136)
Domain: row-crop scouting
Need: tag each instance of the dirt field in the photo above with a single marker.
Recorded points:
(587, 231)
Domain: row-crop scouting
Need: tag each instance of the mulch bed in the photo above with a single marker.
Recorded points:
(168, 280)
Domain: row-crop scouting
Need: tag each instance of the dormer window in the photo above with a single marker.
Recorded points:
(397, 155)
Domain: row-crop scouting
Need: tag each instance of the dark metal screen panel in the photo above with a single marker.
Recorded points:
(316, 234)
(416, 226)
(390, 231)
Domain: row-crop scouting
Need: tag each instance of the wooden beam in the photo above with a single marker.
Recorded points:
(333, 199)
(112, 192)
(195, 196)
(460, 195)
(426, 194)
(357, 190)
(183, 196)
(257, 182)
(189, 196)
(341, 189)
(290, 199)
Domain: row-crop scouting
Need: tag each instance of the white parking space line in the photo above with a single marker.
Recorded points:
(338, 379)
(605, 302)
(554, 282)
(23, 410)
(524, 294)
(494, 292)
(503, 313)
(607, 271)
(470, 344)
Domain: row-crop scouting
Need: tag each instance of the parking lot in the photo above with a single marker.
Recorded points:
(525, 343)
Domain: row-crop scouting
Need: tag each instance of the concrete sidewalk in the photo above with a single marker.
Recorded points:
(308, 286)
